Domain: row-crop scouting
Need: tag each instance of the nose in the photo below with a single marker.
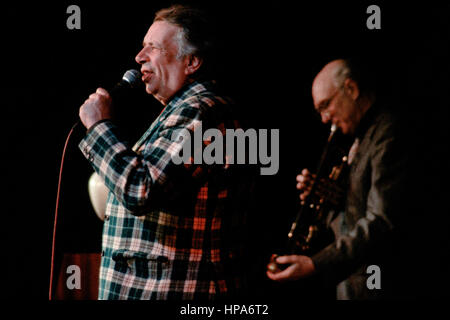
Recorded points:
(141, 57)
(325, 116)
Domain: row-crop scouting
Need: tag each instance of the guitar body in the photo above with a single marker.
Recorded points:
(98, 193)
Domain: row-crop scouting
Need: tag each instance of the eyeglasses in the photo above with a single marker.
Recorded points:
(325, 104)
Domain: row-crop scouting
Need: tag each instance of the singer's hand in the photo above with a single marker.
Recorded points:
(97, 107)
(304, 182)
(299, 267)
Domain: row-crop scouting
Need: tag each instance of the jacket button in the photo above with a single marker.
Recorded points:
(130, 263)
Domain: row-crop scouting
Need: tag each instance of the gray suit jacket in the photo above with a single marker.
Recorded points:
(364, 231)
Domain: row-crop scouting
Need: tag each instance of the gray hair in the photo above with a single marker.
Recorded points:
(195, 35)
(342, 73)
(184, 46)
(360, 72)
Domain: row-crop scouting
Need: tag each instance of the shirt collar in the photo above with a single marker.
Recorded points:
(191, 89)
(188, 90)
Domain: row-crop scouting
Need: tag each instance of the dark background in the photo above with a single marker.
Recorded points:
(270, 52)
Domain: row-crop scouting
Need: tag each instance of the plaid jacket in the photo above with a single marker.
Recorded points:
(171, 231)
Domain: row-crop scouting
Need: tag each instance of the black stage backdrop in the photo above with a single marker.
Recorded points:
(269, 54)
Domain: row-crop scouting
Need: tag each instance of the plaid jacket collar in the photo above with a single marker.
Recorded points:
(193, 88)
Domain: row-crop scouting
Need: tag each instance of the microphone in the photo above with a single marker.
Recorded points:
(130, 79)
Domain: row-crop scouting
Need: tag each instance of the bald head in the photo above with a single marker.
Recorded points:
(332, 76)
(337, 96)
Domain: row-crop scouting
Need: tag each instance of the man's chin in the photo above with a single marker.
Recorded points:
(349, 130)
(344, 129)
(148, 89)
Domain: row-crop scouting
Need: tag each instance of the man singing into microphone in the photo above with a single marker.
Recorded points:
(171, 231)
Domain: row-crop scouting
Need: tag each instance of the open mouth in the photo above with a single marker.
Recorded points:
(146, 76)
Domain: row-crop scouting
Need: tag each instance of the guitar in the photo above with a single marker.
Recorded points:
(98, 193)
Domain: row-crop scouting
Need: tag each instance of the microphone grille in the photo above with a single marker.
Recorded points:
(132, 76)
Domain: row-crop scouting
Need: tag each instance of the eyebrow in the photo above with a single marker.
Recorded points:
(150, 43)
(323, 105)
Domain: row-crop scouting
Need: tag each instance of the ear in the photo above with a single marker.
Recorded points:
(351, 88)
(193, 63)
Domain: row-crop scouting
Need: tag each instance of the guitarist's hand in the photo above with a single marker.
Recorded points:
(299, 267)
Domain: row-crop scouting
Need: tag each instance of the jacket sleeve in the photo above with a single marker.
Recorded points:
(132, 176)
(373, 228)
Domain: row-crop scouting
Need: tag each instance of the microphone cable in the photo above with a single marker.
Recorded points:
(50, 291)
(130, 79)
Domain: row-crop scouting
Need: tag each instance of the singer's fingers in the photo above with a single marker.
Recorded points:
(102, 92)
